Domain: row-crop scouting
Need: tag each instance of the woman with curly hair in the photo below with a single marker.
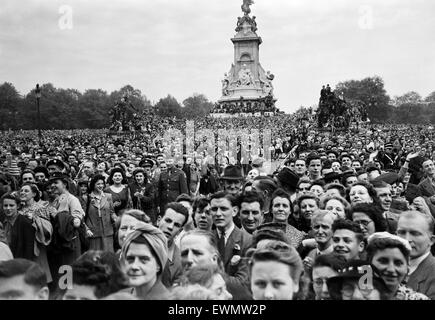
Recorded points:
(119, 190)
(40, 219)
(363, 192)
(100, 216)
(369, 217)
(389, 255)
(336, 205)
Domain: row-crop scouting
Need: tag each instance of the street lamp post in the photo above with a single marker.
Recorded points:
(38, 97)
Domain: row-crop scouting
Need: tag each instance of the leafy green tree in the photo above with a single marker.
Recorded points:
(168, 107)
(430, 97)
(369, 91)
(196, 105)
(409, 97)
(9, 106)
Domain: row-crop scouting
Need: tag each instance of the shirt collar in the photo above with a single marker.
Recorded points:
(227, 232)
(328, 250)
(414, 263)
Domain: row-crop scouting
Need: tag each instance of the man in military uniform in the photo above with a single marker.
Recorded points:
(171, 184)
(57, 166)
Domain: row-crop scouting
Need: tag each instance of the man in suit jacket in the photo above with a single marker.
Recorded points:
(427, 185)
(232, 243)
(171, 224)
(418, 229)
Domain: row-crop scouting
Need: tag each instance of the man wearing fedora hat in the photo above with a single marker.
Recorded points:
(232, 180)
(288, 180)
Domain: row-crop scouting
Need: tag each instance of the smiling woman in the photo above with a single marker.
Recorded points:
(389, 255)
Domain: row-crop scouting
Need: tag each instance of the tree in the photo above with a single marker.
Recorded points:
(370, 92)
(409, 97)
(168, 107)
(9, 106)
(94, 107)
(196, 105)
(430, 97)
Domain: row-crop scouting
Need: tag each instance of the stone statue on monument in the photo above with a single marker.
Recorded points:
(245, 76)
(225, 85)
(266, 81)
(245, 6)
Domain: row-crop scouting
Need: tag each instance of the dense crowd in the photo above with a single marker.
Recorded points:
(342, 216)
(244, 107)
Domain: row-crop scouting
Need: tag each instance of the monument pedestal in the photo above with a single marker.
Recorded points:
(247, 86)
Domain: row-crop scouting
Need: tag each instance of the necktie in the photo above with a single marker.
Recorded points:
(221, 245)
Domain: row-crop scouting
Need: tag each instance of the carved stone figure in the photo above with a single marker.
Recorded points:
(246, 23)
(245, 6)
(225, 85)
(245, 76)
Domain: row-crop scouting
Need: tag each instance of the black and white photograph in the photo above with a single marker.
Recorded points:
(233, 151)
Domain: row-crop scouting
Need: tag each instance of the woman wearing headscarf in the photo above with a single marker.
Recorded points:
(144, 255)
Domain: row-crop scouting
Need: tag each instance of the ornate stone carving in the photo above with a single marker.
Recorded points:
(266, 81)
(245, 6)
(245, 76)
(225, 85)
(246, 23)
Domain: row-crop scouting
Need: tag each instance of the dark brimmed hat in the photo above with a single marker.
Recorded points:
(232, 172)
(55, 162)
(146, 163)
(41, 169)
(58, 176)
(288, 177)
(388, 177)
(372, 168)
(331, 176)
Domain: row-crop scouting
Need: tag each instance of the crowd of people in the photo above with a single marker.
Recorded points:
(249, 107)
(343, 216)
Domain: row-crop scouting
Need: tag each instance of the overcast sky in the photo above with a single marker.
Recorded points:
(183, 47)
